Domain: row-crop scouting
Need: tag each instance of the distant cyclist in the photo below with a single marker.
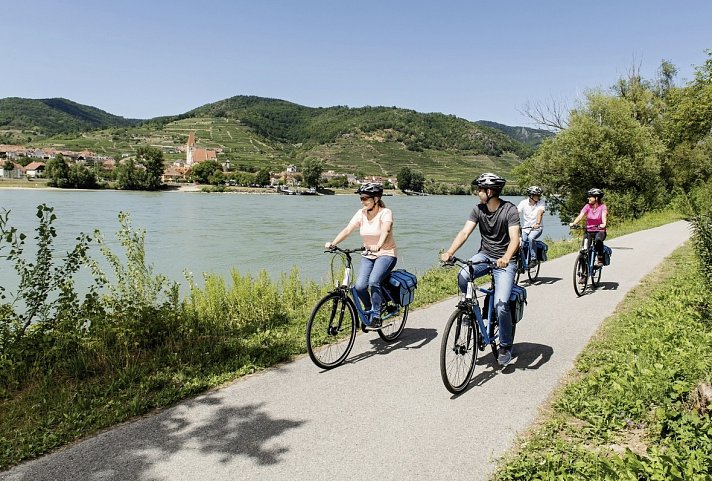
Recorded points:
(498, 221)
(531, 213)
(596, 214)
(375, 224)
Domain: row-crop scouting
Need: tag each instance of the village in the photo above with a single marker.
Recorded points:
(20, 162)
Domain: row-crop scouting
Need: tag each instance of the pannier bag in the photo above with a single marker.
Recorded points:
(607, 255)
(541, 249)
(517, 300)
(401, 285)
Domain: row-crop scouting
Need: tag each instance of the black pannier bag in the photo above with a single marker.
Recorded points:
(607, 251)
(517, 300)
(401, 285)
(541, 249)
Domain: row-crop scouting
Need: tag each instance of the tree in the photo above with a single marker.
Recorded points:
(262, 177)
(151, 158)
(605, 147)
(8, 166)
(312, 171)
(417, 181)
(57, 172)
(203, 171)
(404, 178)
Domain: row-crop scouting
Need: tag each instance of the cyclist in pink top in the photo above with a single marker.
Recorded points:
(375, 223)
(596, 214)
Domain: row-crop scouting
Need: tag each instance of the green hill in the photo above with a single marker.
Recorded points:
(253, 132)
(46, 117)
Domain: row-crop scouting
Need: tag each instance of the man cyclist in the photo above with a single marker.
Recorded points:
(531, 212)
(498, 221)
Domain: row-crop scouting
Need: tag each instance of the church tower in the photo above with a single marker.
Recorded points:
(189, 149)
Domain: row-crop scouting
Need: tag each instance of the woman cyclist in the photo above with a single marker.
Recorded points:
(531, 213)
(596, 214)
(375, 223)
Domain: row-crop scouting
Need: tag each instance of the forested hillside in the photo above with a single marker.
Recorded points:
(23, 119)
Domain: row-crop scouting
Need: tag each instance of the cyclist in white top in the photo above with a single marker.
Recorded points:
(531, 213)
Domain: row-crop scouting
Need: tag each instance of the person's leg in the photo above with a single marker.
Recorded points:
(534, 234)
(504, 280)
(361, 285)
(600, 237)
(464, 278)
(381, 268)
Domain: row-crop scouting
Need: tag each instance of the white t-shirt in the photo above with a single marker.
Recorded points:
(528, 213)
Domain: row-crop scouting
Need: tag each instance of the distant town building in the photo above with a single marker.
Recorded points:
(194, 154)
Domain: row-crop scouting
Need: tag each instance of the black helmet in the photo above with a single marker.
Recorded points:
(594, 192)
(371, 189)
(490, 181)
(534, 190)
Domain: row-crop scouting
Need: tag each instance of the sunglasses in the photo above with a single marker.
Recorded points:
(365, 197)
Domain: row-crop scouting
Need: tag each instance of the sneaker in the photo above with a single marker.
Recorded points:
(375, 323)
(505, 356)
(599, 261)
(582, 280)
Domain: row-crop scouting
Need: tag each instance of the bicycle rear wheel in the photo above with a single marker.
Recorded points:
(458, 352)
(533, 271)
(393, 326)
(331, 330)
(580, 272)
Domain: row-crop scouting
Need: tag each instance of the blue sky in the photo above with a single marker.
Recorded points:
(479, 60)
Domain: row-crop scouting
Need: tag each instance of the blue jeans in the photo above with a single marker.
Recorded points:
(370, 275)
(503, 282)
(531, 235)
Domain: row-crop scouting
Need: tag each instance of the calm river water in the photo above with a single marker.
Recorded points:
(214, 233)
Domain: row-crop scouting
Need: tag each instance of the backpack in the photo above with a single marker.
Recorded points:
(401, 285)
(541, 249)
(517, 300)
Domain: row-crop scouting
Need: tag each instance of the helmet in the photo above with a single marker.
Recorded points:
(594, 192)
(371, 189)
(490, 181)
(534, 190)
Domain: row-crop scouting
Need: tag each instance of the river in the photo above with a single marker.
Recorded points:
(214, 233)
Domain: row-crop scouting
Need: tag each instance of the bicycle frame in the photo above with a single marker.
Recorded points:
(349, 290)
(471, 302)
(590, 254)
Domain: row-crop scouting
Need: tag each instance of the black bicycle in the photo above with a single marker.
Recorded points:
(586, 270)
(332, 326)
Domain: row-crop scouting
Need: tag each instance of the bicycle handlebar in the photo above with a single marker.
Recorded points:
(462, 262)
(334, 248)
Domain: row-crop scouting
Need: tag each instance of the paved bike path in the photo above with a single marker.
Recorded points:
(385, 414)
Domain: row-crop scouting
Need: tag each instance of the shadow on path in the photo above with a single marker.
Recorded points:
(409, 339)
(226, 433)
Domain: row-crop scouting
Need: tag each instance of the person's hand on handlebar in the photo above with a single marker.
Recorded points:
(329, 246)
(445, 257)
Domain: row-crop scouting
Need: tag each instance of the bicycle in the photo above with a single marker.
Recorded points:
(525, 264)
(461, 338)
(332, 325)
(585, 266)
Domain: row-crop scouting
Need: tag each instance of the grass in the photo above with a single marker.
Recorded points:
(221, 332)
(628, 410)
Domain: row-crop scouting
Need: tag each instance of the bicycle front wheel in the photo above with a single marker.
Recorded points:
(458, 352)
(393, 326)
(580, 274)
(331, 330)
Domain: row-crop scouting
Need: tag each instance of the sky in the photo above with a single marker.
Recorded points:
(478, 60)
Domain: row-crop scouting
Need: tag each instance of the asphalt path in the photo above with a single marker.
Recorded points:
(385, 413)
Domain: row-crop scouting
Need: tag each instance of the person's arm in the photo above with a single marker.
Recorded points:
(345, 232)
(385, 230)
(459, 240)
(539, 217)
(577, 219)
(512, 248)
(604, 219)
